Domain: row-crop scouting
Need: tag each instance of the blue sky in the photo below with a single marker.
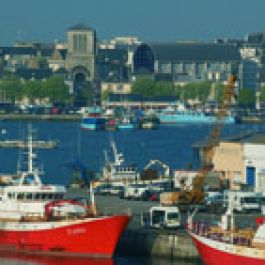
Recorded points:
(151, 20)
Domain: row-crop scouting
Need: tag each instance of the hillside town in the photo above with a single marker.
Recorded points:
(86, 70)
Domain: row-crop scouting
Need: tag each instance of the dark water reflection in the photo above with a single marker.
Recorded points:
(26, 259)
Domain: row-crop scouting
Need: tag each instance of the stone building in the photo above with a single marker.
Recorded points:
(81, 52)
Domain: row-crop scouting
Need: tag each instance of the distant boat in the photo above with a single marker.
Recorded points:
(183, 115)
(117, 169)
(93, 119)
(149, 122)
(127, 123)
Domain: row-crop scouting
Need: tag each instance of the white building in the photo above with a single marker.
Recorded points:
(254, 161)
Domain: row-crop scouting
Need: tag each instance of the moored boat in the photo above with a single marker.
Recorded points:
(183, 115)
(127, 123)
(218, 245)
(150, 122)
(36, 218)
(93, 119)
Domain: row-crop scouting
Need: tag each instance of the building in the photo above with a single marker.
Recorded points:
(187, 62)
(112, 65)
(241, 162)
(81, 56)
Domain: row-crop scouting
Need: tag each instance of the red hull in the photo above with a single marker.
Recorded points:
(212, 256)
(96, 238)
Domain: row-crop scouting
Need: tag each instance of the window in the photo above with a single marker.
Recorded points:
(20, 196)
(29, 196)
(44, 196)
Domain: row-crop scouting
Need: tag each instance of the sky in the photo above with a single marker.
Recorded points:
(150, 20)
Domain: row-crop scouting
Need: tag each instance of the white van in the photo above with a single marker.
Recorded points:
(165, 217)
(244, 201)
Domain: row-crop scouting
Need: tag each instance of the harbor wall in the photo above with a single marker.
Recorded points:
(160, 244)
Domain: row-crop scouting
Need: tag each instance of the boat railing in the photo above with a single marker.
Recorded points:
(242, 237)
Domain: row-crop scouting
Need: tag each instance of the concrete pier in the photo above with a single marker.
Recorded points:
(146, 242)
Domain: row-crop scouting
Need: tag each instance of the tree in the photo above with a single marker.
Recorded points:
(163, 88)
(32, 90)
(144, 86)
(199, 90)
(56, 90)
(12, 88)
(246, 98)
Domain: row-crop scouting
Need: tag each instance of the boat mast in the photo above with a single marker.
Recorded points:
(31, 155)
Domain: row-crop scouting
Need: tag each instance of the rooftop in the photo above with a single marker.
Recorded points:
(80, 26)
(195, 51)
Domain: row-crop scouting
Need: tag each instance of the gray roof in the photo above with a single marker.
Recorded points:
(112, 55)
(80, 26)
(195, 52)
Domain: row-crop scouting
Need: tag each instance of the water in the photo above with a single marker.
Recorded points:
(170, 144)
(24, 259)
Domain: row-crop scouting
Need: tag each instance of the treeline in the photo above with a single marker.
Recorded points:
(194, 91)
(199, 91)
(53, 90)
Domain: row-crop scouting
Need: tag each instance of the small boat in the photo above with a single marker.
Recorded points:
(93, 119)
(127, 124)
(149, 122)
(218, 245)
(111, 125)
(36, 218)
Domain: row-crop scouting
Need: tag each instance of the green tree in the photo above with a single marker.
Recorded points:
(56, 90)
(246, 97)
(219, 92)
(199, 90)
(32, 89)
(11, 87)
(144, 86)
(163, 88)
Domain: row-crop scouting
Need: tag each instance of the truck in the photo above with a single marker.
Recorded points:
(162, 217)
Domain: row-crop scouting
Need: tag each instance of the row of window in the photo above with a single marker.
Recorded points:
(35, 196)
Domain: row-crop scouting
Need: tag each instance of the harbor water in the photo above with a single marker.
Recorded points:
(170, 144)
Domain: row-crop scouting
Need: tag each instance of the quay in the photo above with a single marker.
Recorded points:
(167, 243)
(139, 241)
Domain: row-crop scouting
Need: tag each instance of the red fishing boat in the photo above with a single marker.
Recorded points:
(37, 218)
(218, 245)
